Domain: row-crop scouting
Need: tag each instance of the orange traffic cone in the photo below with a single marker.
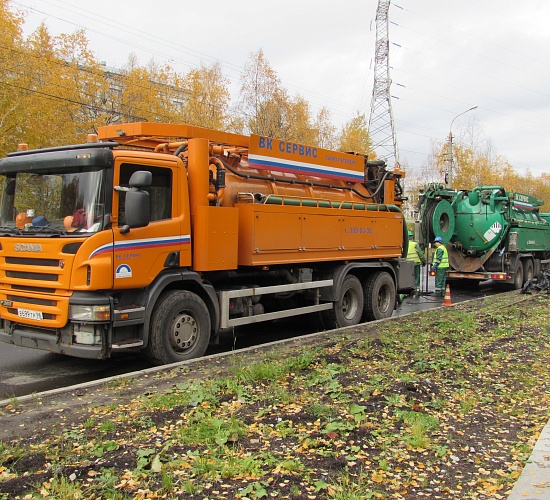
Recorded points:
(447, 299)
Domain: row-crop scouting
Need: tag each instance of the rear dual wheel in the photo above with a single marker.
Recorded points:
(348, 309)
(379, 296)
(374, 299)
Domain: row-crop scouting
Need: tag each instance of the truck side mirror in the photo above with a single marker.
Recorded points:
(137, 210)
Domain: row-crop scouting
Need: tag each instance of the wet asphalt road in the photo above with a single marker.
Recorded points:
(25, 371)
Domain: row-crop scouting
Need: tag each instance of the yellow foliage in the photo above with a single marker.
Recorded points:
(355, 137)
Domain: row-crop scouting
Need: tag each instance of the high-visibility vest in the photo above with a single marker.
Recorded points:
(413, 253)
(441, 257)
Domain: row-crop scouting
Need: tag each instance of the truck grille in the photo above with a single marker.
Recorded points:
(35, 291)
(32, 300)
(32, 276)
(21, 261)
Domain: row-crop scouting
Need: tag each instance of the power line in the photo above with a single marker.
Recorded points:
(120, 27)
(66, 99)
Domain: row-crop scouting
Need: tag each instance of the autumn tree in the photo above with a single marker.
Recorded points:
(296, 115)
(542, 185)
(12, 85)
(355, 137)
(45, 118)
(324, 129)
(206, 97)
(269, 110)
(474, 164)
(139, 98)
(262, 97)
(83, 84)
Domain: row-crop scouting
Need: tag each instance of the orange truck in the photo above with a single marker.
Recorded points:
(158, 237)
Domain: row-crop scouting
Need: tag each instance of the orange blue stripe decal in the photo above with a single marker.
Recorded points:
(124, 246)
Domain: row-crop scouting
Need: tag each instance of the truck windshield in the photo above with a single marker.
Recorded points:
(65, 202)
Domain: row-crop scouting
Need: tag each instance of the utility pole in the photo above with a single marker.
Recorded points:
(381, 127)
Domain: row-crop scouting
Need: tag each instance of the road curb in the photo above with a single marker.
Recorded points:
(534, 482)
(156, 369)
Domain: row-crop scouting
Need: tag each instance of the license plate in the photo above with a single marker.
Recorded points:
(28, 314)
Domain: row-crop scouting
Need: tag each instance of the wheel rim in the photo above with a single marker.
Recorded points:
(183, 334)
(350, 304)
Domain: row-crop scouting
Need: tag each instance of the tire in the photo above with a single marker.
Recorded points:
(379, 296)
(180, 328)
(537, 268)
(348, 309)
(528, 270)
(518, 276)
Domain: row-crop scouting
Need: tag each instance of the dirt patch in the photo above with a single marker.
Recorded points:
(443, 404)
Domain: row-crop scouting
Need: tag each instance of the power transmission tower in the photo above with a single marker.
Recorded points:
(381, 128)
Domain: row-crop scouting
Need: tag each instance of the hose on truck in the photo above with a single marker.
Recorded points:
(305, 183)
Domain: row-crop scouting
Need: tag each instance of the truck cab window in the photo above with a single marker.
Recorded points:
(160, 191)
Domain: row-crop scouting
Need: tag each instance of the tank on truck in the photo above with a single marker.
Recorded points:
(490, 233)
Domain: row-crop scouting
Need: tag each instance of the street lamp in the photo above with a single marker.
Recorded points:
(450, 152)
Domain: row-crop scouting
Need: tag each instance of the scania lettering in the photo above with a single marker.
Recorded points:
(26, 247)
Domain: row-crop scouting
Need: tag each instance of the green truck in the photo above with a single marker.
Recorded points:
(489, 232)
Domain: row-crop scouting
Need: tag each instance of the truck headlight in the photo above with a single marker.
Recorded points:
(90, 313)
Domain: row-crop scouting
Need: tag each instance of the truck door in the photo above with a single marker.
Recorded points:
(142, 253)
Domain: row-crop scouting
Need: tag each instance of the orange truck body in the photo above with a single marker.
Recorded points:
(192, 231)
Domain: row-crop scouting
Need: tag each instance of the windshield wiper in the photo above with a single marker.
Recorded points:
(47, 229)
(12, 230)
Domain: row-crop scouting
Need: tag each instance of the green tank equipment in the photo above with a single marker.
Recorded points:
(487, 230)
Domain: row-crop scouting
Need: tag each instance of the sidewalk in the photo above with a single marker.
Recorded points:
(534, 482)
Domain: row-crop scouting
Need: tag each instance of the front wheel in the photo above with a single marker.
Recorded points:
(180, 328)
(379, 296)
(348, 308)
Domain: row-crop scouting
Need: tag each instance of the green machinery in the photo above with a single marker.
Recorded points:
(490, 233)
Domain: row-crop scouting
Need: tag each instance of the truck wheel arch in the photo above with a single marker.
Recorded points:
(180, 327)
(178, 280)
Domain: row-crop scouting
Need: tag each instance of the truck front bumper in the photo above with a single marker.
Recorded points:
(47, 342)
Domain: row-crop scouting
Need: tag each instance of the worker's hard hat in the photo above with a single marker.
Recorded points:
(410, 234)
(438, 238)
(40, 221)
(68, 223)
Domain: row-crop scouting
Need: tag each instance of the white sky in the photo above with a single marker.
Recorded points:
(445, 57)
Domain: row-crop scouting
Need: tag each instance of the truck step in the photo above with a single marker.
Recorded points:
(125, 344)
